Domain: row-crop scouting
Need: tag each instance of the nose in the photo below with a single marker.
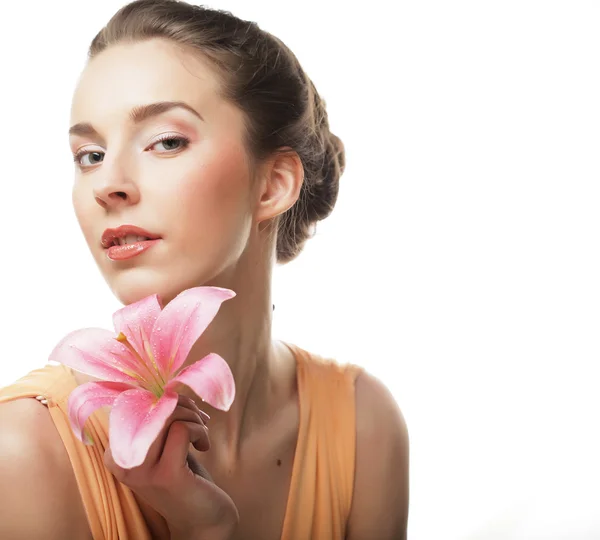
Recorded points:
(116, 192)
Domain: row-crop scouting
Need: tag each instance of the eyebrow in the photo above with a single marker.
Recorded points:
(137, 115)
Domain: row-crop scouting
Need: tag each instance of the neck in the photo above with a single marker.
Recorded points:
(241, 334)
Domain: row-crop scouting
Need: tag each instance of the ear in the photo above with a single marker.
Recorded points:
(279, 186)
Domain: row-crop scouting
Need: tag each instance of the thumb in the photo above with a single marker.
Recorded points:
(176, 454)
(175, 451)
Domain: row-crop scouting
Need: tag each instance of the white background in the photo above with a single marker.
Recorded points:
(461, 264)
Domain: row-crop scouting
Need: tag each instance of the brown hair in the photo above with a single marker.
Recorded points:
(262, 76)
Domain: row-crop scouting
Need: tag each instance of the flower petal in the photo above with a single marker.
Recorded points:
(96, 352)
(211, 379)
(135, 421)
(182, 322)
(136, 321)
(88, 397)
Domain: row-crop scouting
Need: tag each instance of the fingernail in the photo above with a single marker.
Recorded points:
(204, 416)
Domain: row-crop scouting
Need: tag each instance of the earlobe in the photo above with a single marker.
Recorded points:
(282, 181)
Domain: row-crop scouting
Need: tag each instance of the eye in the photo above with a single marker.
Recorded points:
(82, 153)
(170, 142)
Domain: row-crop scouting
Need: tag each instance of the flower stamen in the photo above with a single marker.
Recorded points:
(155, 385)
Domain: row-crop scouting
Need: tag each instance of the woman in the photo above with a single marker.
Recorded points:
(204, 132)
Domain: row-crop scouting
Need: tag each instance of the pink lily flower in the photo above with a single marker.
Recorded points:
(140, 368)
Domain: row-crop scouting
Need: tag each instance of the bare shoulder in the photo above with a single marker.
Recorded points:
(39, 496)
(380, 500)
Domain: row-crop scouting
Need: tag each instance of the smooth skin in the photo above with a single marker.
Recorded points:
(215, 213)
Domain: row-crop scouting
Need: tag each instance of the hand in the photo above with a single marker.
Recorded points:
(173, 483)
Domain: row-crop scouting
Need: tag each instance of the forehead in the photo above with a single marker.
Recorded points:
(126, 75)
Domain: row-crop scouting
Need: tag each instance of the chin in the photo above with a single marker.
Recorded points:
(135, 284)
(130, 287)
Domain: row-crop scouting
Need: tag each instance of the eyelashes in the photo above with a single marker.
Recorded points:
(183, 143)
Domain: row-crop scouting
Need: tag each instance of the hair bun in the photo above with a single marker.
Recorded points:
(336, 153)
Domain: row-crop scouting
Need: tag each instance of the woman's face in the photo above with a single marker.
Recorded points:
(193, 190)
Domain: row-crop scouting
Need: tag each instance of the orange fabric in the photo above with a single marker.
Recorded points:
(323, 472)
(322, 475)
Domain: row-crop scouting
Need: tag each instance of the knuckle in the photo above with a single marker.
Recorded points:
(179, 425)
(139, 478)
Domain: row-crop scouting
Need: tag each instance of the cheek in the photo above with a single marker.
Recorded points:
(214, 195)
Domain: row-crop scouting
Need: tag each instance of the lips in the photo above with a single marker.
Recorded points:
(111, 236)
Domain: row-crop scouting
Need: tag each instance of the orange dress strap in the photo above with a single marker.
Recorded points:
(322, 481)
(112, 511)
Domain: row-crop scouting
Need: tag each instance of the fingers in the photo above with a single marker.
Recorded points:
(181, 413)
(191, 404)
(169, 452)
(175, 458)
(194, 433)
(199, 439)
